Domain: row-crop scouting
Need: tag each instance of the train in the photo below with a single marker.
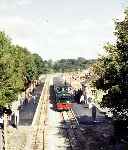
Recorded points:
(63, 94)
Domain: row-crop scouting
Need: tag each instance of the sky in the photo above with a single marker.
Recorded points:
(58, 29)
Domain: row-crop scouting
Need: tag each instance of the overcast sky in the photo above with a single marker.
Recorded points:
(61, 28)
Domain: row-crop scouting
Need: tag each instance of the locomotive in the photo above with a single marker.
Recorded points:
(63, 94)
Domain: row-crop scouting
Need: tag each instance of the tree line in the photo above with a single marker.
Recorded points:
(70, 65)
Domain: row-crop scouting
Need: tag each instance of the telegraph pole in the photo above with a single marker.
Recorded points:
(5, 146)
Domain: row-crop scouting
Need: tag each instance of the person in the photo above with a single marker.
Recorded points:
(75, 93)
(93, 112)
(1, 121)
(85, 97)
(89, 99)
(34, 99)
(25, 101)
(82, 100)
(80, 91)
(78, 96)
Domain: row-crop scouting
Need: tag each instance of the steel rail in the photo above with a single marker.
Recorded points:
(67, 132)
(75, 126)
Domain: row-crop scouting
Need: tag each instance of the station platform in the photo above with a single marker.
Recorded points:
(84, 114)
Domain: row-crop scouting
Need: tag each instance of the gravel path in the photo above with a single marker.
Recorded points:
(55, 138)
(17, 138)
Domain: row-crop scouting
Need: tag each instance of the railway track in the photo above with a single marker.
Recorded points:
(40, 119)
(39, 127)
(72, 129)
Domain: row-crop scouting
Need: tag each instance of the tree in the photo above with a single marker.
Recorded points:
(7, 87)
(38, 65)
(17, 68)
(112, 72)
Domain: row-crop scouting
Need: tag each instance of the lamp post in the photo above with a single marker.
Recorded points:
(6, 112)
